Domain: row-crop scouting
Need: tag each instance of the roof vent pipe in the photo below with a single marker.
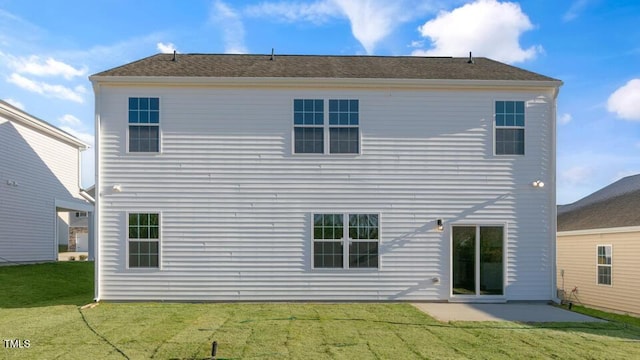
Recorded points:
(470, 61)
(273, 55)
(174, 56)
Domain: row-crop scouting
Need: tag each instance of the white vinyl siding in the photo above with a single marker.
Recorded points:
(35, 170)
(237, 204)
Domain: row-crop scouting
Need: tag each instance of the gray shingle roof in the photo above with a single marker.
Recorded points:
(616, 205)
(317, 66)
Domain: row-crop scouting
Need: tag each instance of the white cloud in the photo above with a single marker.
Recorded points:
(49, 90)
(575, 9)
(69, 120)
(485, 27)
(35, 65)
(15, 103)
(625, 101)
(371, 20)
(232, 27)
(167, 48)
(565, 119)
(317, 12)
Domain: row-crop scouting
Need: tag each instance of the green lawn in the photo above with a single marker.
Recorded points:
(60, 329)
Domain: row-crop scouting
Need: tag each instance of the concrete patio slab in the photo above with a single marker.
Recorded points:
(519, 312)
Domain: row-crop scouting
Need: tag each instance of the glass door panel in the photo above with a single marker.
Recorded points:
(491, 263)
(464, 260)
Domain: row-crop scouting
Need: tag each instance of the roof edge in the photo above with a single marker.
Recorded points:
(27, 119)
(598, 231)
(315, 82)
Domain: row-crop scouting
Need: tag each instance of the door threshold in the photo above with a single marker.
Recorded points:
(478, 300)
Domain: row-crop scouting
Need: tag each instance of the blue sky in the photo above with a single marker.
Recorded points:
(48, 48)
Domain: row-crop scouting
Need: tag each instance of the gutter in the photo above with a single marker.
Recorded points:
(87, 196)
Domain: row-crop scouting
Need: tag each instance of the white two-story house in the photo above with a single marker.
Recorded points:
(39, 186)
(254, 177)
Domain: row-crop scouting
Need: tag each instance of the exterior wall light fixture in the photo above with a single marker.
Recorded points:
(440, 224)
(538, 184)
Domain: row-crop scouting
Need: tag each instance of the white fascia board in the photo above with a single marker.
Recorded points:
(73, 205)
(33, 122)
(615, 230)
(323, 82)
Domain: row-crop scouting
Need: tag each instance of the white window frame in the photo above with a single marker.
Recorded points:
(346, 241)
(496, 127)
(326, 128)
(127, 137)
(128, 240)
(598, 265)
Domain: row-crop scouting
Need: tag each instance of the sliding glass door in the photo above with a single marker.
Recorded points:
(477, 260)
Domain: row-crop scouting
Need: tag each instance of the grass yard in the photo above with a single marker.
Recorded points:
(60, 329)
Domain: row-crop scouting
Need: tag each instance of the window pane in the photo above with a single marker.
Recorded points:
(144, 138)
(327, 254)
(344, 140)
(363, 254)
(154, 104)
(153, 232)
(491, 260)
(308, 140)
(509, 141)
(604, 275)
(143, 103)
(143, 254)
(464, 260)
(133, 103)
(133, 232)
(154, 117)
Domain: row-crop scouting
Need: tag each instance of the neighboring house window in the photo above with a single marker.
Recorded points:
(308, 121)
(144, 128)
(333, 242)
(344, 134)
(509, 128)
(80, 214)
(604, 265)
(144, 238)
(309, 127)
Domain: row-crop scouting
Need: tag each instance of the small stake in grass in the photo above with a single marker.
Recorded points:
(214, 350)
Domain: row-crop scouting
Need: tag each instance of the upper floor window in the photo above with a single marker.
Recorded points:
(509, 128)
(604, 264)
(144, 128)
(313, 134)
(308, 126)
(344, 134)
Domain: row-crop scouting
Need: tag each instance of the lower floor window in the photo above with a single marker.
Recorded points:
(143, 237)
(604, 264)
(351, 245)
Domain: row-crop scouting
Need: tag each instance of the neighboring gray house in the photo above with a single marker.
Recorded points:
(39, 177)
(599, 246)
(253, 177)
